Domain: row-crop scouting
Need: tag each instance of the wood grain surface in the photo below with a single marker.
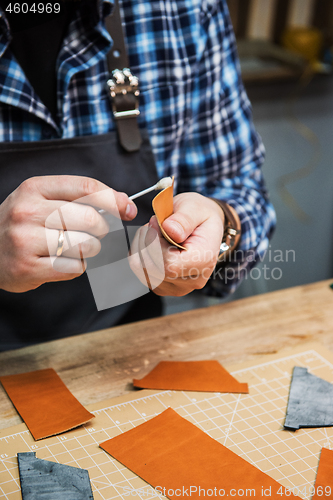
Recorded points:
(101, 365)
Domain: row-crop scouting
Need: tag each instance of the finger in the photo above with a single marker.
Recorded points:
(184, 276)
(59, 269)
(83, 190)
(76, 244)
(140, 261)
(179, 287)
(202, 250)
(151, 255)
(170, 252)
(176, 262)
(77, 217)
(189, 213)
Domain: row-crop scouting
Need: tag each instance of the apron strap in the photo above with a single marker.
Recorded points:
(123, 86)
(117, 56)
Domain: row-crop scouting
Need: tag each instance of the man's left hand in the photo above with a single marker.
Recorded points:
(197, 224)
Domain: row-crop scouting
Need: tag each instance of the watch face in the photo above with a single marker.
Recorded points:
(223, 252)
(223, 248)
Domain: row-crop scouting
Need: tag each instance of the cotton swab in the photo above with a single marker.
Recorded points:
(161, 184)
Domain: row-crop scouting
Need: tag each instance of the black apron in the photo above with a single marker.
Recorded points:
(65, 308)
(60, 309)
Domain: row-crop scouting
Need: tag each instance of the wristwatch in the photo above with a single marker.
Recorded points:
(232, 230)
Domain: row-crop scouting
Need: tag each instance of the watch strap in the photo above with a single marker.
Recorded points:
(232, 230)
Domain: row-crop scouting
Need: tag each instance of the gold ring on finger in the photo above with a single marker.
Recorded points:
(61, 240)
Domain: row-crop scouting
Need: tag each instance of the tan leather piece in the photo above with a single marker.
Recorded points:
(163, 208)
(170, 452)
(44, 402)
(324, 477)
(206, 376)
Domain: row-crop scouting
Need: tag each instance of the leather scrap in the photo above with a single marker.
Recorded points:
(44, 402)
(41, 479)
(163, 208)
(170, 452)
(206, 376)
(310, 402)
(324, 479)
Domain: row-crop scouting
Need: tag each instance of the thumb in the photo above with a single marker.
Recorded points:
(188, 214)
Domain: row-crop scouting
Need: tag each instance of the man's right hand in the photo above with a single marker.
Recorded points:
(30, 221)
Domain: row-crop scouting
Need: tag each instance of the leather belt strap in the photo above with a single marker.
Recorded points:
(124, 102)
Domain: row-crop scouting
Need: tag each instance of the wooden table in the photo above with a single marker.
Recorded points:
(101, 365)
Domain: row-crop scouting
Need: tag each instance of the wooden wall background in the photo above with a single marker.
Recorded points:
(267, 19)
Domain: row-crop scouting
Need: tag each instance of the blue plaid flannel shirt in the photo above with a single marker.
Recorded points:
(192, 102)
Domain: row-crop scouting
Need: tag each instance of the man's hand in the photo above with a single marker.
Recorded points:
(30, 220)
(197, 223)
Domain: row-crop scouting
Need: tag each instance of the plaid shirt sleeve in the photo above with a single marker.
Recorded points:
(219, 153)
(200, 119)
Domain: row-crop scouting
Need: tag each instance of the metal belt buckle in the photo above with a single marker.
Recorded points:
(124, 92)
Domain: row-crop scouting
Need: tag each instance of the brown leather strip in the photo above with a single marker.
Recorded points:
(206, 376)
(324, 479)
(163, 208)
(170, 452)
(44, 402)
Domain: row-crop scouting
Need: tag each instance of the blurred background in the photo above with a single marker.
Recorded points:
(286, 55)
